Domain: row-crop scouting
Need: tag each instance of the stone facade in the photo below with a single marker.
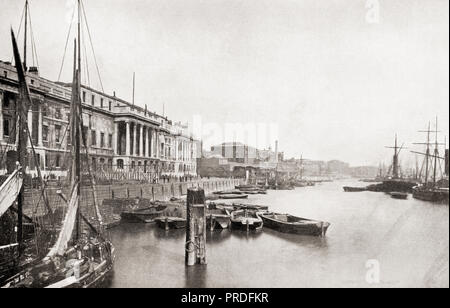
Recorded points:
(120, 136)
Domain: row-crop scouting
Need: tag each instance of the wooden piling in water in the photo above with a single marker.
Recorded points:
(195, 227)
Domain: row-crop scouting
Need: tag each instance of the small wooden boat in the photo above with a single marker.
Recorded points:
(399, 195)
(247, 187)
(228, 192)
(229, 197)
(296, 225)
(250, 192)
(251, 207)
(217, 219)
(167, 223)
(354, 189)
(246, 220)
(145, 215)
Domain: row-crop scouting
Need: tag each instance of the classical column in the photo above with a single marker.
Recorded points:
(155, 144)
(40, 125)
(150, 140)
(1, 115)
(146, 130)
(127, 139)
(134, 138)
(115, 136)
(141, 140)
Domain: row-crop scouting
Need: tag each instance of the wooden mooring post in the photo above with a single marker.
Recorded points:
(195, 227)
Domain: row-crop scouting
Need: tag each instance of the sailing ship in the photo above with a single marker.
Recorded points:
(24, 240)
(82, 256)
(431, 189)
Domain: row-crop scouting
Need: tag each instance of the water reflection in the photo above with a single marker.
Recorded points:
(306, 241)
(409, 238)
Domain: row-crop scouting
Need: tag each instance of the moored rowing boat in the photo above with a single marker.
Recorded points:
(291, 224)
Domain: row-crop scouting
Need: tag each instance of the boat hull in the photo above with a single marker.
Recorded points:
(217, 223)
(400, 196)
(242, 226)
(312, 228)
(245, 220)
(354, 189)
(171, 223)
(231, 197)
(431, 195)
(393, 186)
(140, 216)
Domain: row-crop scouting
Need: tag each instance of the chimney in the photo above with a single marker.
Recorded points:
(34, 70)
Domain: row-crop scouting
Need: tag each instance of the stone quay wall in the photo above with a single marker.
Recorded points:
(127, 190)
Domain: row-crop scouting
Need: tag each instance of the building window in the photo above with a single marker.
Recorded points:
(85, 133)
(6, 103)
(57, 161)
(120, 164)
(58, 113)
(44, 111)
(45, 133)
(102, 140)
(110, 106)
(5, 74)
(101, 103)
(84, 96)
(58, 133)
(110, 141)
(93, 138)
(93, 100)
(6, 126)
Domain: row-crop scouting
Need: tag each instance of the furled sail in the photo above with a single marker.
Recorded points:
(69, 223)
(9, 191)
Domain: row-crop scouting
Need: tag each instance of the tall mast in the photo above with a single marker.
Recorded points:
(22, 106)
(77, 100)
(25, 38)
(427, 157)
(436, 153)
(395, 162)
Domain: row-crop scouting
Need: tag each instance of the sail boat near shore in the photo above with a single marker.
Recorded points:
(82, 256)
(431, 189)
(24, 240)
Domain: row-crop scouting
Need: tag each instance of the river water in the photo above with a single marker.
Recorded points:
(373, 241)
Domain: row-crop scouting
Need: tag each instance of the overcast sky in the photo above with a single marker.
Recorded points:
(334, 83)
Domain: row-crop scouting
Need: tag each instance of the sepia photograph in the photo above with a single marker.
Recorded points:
(209, 146)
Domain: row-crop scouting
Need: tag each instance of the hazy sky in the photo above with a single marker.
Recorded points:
(336, 85)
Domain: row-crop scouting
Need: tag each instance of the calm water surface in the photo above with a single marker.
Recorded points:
(409, 239)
